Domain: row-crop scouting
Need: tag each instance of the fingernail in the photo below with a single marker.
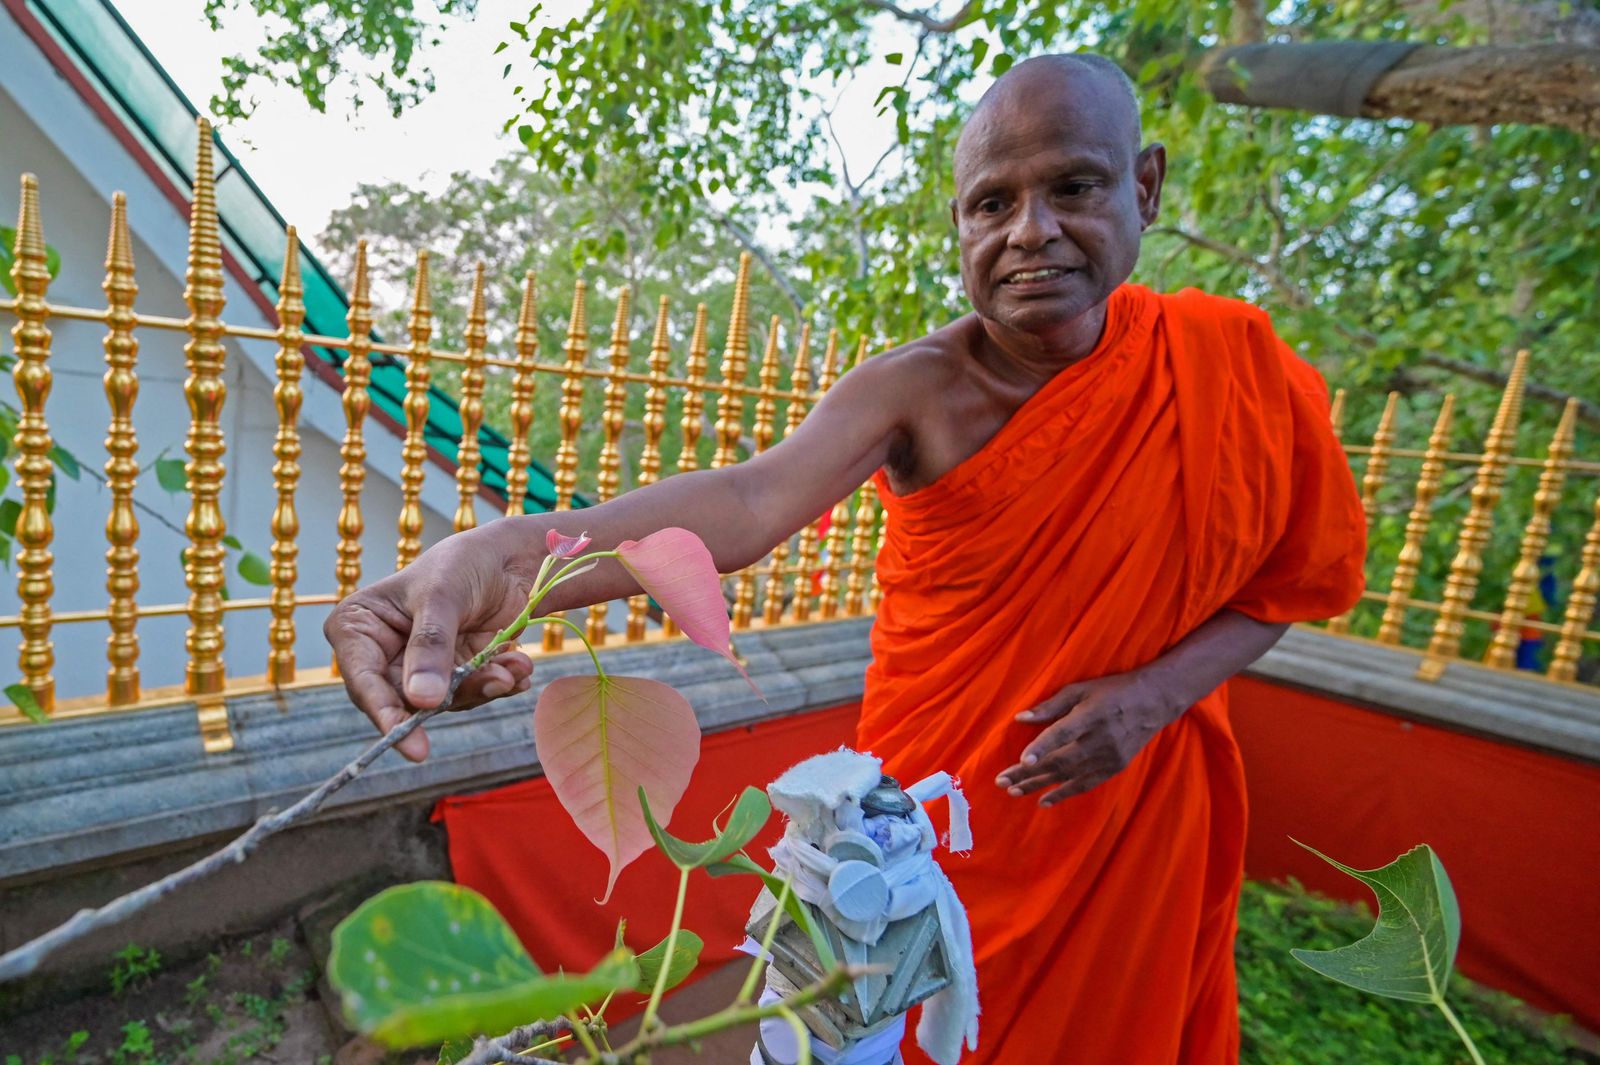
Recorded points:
(1003, 780)
(496, 688)
(1029, 759)
(1015, 791)
(1047, 802)
(425, 689)
(524, 684)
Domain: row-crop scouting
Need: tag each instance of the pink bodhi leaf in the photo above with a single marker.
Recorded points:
(674, 567)
(565, 546)
(601, 739)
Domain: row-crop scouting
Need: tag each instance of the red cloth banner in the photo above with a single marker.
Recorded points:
(518, 847)
(1514, 827)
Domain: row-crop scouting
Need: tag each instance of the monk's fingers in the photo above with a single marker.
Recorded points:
(1076, 786)
(430, 652)
(504, 674)
(1060, 765)
(1055, 707)
(365, 644)
(1058, 736)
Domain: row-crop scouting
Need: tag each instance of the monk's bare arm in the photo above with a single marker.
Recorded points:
(406, 632)
(1095, 728)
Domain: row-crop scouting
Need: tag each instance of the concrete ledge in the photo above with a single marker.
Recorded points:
(116, 787)
(1499, 704)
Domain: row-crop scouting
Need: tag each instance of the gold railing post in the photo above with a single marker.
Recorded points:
(522, 390)
(1372, 483)
(655, 423)
(414, 452)
(799, 384)
(744, 599)
(810, 537)
(838, 535)
(862, 539)
(1468, 563)
(286, 395)
(566, 475)
(353, 451)
(735, 364)
(1580, 605)
(612, 421)
(1409, 562)
(694, 370)
(1503, 650)
(1336, 414)
(30, 275)
(469, 454)
(122, 462)
(206, 392)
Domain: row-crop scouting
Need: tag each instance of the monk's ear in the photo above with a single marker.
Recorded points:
(1149, 171)
(955, 219)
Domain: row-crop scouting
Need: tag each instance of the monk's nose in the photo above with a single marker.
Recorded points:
(1034, 225)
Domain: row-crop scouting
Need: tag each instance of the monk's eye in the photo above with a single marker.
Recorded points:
(1076, 188)
(990, 206)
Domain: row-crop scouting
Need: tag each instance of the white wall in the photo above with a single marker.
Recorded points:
(79, 165)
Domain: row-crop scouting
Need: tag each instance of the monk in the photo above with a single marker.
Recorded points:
(1102, 503)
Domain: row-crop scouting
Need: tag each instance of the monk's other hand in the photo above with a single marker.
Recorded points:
(396, 641)
(1095, 728)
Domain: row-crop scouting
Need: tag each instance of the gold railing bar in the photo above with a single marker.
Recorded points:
(1372, 479)
(414, 452)
(287, 396)
(121, 383)
(1580, 604)
(1408, 563)
(524, 387)
(355, 402)
(570, 413)
(809, 547)
(468, 476)
(170, 610)
(613, 419)
(1490, 616)
(1580, 466)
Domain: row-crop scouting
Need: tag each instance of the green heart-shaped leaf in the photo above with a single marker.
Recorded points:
(685, 956)
(428, 962)
(793, 906)
(749, 815)
(1411, 950)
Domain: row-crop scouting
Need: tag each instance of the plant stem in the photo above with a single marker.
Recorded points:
(766, 945)
(733, 1016)
(802, 1035)
(666, 962)
(1455, 1022)
(581, 1030)
(592, 656)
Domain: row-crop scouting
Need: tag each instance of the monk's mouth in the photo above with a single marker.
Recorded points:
(1025, 279)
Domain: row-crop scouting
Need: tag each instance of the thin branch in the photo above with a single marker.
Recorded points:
(26, 958)
(929, 23)
(751, 245)
(502, 1049)
(1298, 298)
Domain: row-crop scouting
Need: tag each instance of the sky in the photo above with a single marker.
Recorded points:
(309, 164)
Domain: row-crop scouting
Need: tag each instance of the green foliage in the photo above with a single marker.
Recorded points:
(1289, 1013)
(137, 1048)
(685, 956)
(23, 699)
(426, 962)
(134, 965)
(8, 244)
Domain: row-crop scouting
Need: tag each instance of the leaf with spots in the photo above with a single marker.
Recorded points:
(602, 739)
(428, 962)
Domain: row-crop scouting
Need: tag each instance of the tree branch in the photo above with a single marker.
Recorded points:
(929, 23)
(1300, 299)
(751, 245)
(502, 1049)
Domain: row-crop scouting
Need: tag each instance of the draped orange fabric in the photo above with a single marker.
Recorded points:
(1185, 466)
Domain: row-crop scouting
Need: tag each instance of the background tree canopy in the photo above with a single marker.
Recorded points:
(1393, 253)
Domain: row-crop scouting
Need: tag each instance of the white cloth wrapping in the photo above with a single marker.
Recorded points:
(821, 798)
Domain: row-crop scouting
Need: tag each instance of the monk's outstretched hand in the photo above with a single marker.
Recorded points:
(1095, 728)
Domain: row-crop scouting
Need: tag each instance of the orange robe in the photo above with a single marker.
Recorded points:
(1186, 466)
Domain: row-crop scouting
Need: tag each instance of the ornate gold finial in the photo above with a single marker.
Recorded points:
(811, 535)
(655, 423)
(735, 360)
(121, 383)
(30, 275)
(566, 478)
(206, 393)
(1336, 415)
(694, 393)
(414, 452)
(523, 384)
(1580, 605)
(799, 385)
(744, 599)
(1468, 563)
(468, 455)
(864, 536)
(1525, 577)
(1372, 484)
(612, 421)
(1409, 561)
(286, 395)
(353, 452)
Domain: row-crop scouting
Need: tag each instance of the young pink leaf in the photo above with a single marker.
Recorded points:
(600, 739)
(565, 546)
(675, 568)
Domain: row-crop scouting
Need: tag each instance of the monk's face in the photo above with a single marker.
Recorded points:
(1052, 195)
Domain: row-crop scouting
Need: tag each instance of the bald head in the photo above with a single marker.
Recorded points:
(1080, 82)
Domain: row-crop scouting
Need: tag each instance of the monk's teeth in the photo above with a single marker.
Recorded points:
(1035, 275)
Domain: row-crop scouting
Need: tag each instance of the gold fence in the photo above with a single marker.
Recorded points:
(826, 573)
